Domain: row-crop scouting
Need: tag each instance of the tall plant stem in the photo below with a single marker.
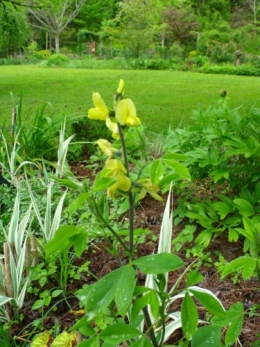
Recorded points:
(130, 196)
(109, 227)
(150, 326)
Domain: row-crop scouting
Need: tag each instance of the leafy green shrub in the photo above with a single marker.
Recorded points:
(43, 54)
(57, 59)
(229, 69)
(222, 153)
(85, 131)
(248, 70)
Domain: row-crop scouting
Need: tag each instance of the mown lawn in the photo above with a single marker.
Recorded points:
(162, 98)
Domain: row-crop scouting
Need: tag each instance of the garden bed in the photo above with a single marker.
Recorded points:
(149, 215)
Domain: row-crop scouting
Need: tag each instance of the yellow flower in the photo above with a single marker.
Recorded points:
(113, 127)
(117, 170)
(106, 147)
(148, 187)
(100, 111)
(121, 87)
(126, 113)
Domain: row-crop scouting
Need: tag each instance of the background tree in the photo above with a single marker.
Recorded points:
(91, 19)
(181, 26)
(55, 16)
(139, 25)
(255, 8)
(14, 29)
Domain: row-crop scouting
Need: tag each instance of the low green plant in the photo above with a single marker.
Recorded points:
(39, 138)
(221, 150)
(84, 129)
(57, 59)
(230, 69)
(16, 263)
(12, 164)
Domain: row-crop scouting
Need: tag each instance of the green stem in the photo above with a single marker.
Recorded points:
(130, 196)
(150, 326)
(110, 228)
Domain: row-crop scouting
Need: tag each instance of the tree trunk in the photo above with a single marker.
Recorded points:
(57, 42)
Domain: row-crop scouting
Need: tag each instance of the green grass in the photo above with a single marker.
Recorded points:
(162, 98)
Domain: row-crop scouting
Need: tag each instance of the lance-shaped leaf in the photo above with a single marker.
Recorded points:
(158, 263)
(118, 333)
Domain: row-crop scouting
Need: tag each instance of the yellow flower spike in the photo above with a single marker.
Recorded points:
(112, 127)
(117, 170)
(126, 113)
(106, 147)
(100, 111)
(121, 87)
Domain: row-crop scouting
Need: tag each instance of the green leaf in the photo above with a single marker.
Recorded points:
(65, 237)
(193, 277)
(207, 336)
(177, 167)
(139, 304)
(80, 243)
(167, 181)
(37, 304)
(158, 263)
(208, 300)
(124, 290)
(149, 298)
(77, 202)
(213, 154)
(123, 207)
(244, 263)
(143, 342)
(91, 342)
(250, 228)
(56, 293)
(204, 237)
(245, 233)
(189, 316)
(156, 172)
(219, 173)
(118, 333)
(236, 311)
(232, 235)
(81, 323)
(245, 208)
(234, 330)
(102, 293)
(101, 182)
(223, 209)
(69, 182)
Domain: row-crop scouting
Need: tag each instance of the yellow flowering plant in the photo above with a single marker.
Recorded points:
(145, 176)
(138, 315)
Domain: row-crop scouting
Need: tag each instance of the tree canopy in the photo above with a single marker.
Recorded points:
(136, 27)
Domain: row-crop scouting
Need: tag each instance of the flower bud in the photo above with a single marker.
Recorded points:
(121, 87)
